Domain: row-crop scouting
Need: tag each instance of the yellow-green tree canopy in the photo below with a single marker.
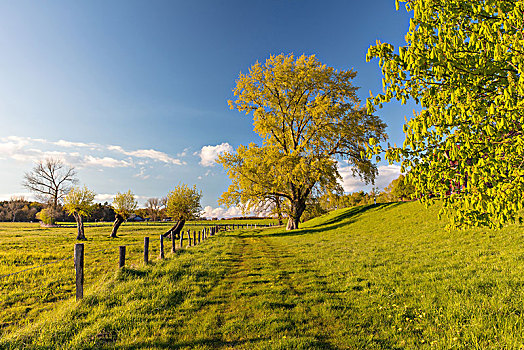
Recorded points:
(463, 63)
(79, 200)
(79, 203)
(308, 116)
(400, 189)
(183, 203)
(125, 204)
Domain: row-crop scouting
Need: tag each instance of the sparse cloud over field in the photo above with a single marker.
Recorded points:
(209, 154)
(79, 154)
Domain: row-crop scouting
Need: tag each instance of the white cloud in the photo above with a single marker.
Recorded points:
(219, 212)
(141, 174)
(147, 153)
(107, 162)
(63, 143)
(210, 212)
(209, 154)
(386, 174)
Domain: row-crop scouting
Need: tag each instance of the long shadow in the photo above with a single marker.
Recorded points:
(343, 219)
(319, 343)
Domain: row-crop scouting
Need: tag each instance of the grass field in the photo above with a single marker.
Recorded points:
(25, 245)
(373, 277)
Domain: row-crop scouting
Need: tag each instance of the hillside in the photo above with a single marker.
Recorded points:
(384, 277)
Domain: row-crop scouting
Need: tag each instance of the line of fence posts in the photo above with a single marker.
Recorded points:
(202, 235)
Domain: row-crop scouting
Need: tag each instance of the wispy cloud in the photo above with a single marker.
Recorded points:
(147, 153)
(107, 162)
(79, 154)
(209, 154)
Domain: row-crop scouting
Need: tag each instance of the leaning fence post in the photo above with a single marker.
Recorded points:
(199, 236)
(79, 267)
(122, 260)
(194, 238)
(173, 242)
(161, 246)
(189, 238)
(146, 250)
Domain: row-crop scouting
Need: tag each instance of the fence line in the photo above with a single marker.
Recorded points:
(212, 231)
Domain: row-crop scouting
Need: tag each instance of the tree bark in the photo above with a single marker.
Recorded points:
(80, 227)
(279, 211)
(175, 230)
(119, 219)
(297, 208)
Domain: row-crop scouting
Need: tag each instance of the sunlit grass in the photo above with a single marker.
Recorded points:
(24, 245)
(373, 277)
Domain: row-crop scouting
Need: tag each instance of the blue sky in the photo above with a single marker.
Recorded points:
(134, 93)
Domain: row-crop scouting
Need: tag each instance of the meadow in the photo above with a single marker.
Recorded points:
(371, 277)
(25, 295)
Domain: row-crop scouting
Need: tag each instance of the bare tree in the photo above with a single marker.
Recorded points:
(14, 206)
(50, 179)
(153, 207)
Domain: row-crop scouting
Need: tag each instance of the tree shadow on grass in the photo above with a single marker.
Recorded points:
(216, 343)
(342, 219)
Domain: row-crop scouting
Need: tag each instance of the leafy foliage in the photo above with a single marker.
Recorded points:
(307, 115)
(79, 201)
(400, 189)
(125, 204)
(463, 64)
(183, 203)
(46, 216)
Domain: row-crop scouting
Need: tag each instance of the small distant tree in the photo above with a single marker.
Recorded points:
(153, 208)
(401, 189)
(46, 216)
(183, 203)
(79, 203)
(50, 180)
(124, 205)
(14, 206)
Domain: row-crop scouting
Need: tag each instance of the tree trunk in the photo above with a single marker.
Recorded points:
(80, 227)
(175, 230)
(279, 211)
(119, 219)
(297, 208)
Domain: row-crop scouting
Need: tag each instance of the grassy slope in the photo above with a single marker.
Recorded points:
(368, 277)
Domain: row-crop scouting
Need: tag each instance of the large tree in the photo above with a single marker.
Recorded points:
(79, 203)
(50, 180)
(463, 63)
(308, 116)
(124, 204)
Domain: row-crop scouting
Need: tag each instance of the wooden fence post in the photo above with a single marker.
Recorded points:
(122, 259)
(162, 247)
(79, 267)
(146, 250)
(199, 236)
(189, 238)
(194, 238)
(173, 242)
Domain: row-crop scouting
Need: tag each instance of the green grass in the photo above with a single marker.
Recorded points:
(384, 277)
(23, 245)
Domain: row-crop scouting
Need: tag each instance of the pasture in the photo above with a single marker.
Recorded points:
(25, 295)
(370, 277)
